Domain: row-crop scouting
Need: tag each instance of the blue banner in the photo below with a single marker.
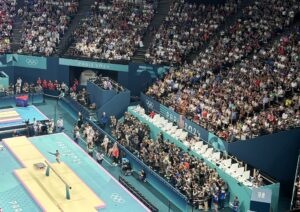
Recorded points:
(92, 64)
(26, 61)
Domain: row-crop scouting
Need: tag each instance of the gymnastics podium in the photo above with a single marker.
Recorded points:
(22, 101)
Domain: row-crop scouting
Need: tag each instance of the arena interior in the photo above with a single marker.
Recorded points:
(149, 105)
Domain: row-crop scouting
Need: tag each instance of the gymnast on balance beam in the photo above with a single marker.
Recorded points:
(57, 155)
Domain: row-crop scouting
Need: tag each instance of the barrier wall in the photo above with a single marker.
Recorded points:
(4, 80)
(140, 76)
(276, 154)
(115, 106)
(98, 95)
(76, 106)
(235, 187)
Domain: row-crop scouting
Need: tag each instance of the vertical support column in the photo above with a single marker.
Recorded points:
(68, 195)
(48, 171)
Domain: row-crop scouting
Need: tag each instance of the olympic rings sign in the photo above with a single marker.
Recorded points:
(149, 104)
(117, 198)
(31, 62)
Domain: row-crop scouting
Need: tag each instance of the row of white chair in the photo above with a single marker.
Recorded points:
(164, 124)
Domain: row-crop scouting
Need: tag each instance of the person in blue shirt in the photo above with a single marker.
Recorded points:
(222, 197)
(103, 120)
(216, 201)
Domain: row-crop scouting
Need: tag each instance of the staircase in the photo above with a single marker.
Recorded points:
(162, 10)
(17, 28)
(67, 39)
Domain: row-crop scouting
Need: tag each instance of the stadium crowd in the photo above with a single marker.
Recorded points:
(191, 176)
(260, 22)
(239, 100)
(113, 30)
(257, 96)
(185, 29)
(7, 14)
(44, 24)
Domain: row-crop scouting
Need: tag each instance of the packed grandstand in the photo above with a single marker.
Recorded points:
(233, 76)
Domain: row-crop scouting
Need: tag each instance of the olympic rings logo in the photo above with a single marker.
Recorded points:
(117, 198)
(32, 62)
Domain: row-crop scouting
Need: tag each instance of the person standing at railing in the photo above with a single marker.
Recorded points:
(235, 204)
(103, 120)
(60, 124)
(222, 198)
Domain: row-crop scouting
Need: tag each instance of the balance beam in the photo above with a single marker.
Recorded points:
(68, 187)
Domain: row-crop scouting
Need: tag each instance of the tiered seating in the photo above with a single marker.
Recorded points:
(257, 96)
(44, 24)
(258, 24)
(186, 28)
(7, 14)
(112, 31)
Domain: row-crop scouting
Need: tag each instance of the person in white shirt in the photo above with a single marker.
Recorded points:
(60, 125)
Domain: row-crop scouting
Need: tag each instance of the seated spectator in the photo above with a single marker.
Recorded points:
(142, 175)
(44, 24)
(7, 15)
(113, 30)
(259, 95)
(186, 28)
(107, 83)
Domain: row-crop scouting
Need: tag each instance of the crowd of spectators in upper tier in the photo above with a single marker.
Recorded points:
(7, 14)
(260, 22)
(186, 28)
(113, 30)
(44, 24)
(259, 95)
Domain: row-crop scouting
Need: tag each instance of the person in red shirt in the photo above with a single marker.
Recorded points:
(115, 154)
(76, 82)
(55, 84)
(204, 114)
(50, 85)
(39, 81)
(152, 114)
(74, 88)
(45, 84)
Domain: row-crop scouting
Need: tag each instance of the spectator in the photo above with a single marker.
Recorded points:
(103, 120)
(99, 157)
(113, 30)
(142, 176)
(60, 124)
(44, 24)
(186, 28)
